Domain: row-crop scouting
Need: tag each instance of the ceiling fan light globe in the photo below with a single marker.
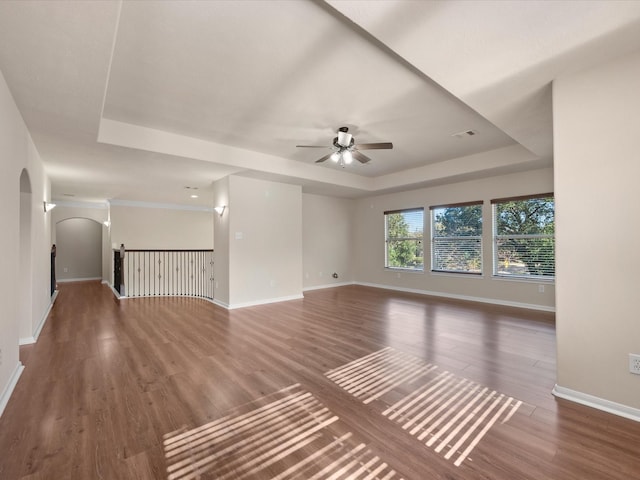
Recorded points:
(335, 156)
(347, 157)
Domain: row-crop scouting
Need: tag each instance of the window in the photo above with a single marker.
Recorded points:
(523, 237)
(403, 238)
(456, 240)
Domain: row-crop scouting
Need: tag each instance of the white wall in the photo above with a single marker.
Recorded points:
(79, 249)
(40, 241)
(221, 241)
(265, 242)
(17, 152)
(597, 170)
(327, 240)
(369, 248)
(161, 228)
(13, 156)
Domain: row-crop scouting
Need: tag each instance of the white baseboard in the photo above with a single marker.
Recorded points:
(328, 285)
(11, 384)
(115, 292)
(597, 402)
(43, 320)
(220, 304)
(78, 279)
(262, 302)
(234, 306)
(493, 301)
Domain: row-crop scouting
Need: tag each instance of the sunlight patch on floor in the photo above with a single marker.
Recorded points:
(287, 435)
(447, 413)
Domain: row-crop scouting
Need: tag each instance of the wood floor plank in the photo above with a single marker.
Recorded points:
(108, 380)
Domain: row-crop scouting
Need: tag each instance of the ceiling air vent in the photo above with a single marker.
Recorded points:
(466, 133)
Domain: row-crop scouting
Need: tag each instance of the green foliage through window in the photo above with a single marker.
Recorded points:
(456, 244)
(404, 247)
(524, 243)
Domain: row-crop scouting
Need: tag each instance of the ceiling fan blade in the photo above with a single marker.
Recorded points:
(314, 146)
(361, 157)
(324, 159)
(374, 146)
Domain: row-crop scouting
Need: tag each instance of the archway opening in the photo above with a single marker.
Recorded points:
(78, 249)
(24, 256)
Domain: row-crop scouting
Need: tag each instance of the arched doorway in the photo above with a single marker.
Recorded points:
(24, 270)
(78, 249)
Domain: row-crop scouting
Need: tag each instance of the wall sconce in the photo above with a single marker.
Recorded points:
(220, 209)
(48, 206)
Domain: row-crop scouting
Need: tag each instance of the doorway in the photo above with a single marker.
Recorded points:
(78, 250)
(24, 256)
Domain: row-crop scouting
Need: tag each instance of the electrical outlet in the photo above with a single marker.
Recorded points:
(540, 288)
(634, 363)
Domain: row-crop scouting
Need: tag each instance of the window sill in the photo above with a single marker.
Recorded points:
(403, 270)
(437, 273)
(546, 281)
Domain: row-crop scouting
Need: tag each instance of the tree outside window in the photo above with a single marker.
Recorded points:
(524, 243)
(456, 243)
(404, 239)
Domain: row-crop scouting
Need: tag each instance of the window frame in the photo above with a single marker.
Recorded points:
(387, 240)
(432, 211)
(496, 237)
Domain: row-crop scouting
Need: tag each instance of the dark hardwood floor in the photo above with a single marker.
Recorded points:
(349, 383)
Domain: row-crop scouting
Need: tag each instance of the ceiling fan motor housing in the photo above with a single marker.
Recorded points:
(345, 149)
(343, 139)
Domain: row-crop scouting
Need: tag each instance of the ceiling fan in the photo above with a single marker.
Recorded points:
(345, 149)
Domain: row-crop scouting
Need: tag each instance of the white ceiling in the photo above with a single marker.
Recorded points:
(136, 100)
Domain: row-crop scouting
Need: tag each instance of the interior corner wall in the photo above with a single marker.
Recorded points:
(369, 250)
(221, 242)
(596, 144)
(265, 241)
(17, 152)
(327, 240)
